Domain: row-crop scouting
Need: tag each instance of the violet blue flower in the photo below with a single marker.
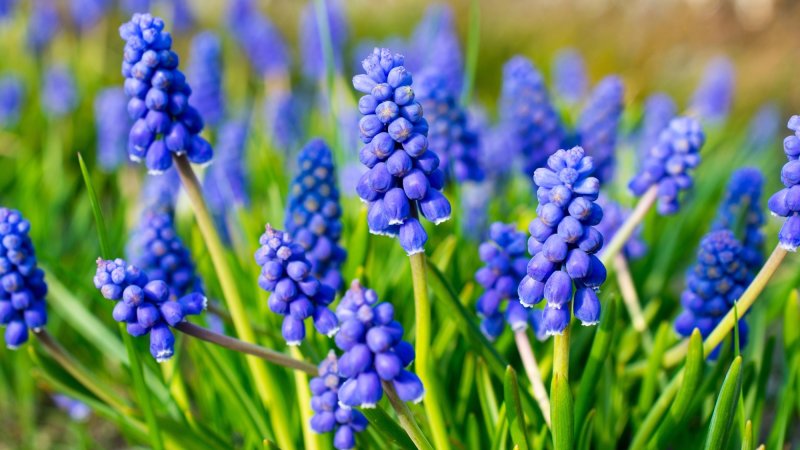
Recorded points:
(714, 95)
(59, 93)
(569, 75)
(763, 127)
(258, 38)
(43, 25)
(205, 71)
(434, 46)
(330, 415)
(614, 215)
(741, 213)
(786, 202)
(75, 409)
(659, 110)
(112, 124)
(313, 66)
(12, 93)
(598, 123)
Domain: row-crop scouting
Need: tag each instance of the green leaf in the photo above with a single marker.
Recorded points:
(487, 399)
(140, 387)
(597, 357)
(563, 419)
(747, 440)
(787, 396)
(357, 246)
(473, 433)
(102, 233)
(585, 437)
(387, 427)
(500, 438)
(516, 418)
(725, 409)
(650, 380)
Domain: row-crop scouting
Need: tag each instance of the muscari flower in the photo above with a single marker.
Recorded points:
(135, 6)
(59, 94)
(43, 25)
(449, 133)
(161, 191)
(112, 125)
(283, 117)
(569, 75)
(7, 7)
(226, 182)
(598, 123)
(295, 293)
(404, 175)
(713, 97)
(614, 215)
(182, 17)
(740, 212)
(763, 127)
(713, 285)
(786, 202)
(313, 213)
(505, 265)
(205, 71)
(258, 38)
(75, 409)
(86, 13)
(145, 306)
(659, 110)
(474, 207)
(11, 95)
(668, 162)
(329, 414)
(434, 46)
(374, 351)
(564, 241)
(165, 122)
(525, 108)
(22, 285)
(313, 66)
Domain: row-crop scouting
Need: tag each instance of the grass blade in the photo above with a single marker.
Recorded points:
(387, 427)
(563, 419)
(473, 46)
(516, 417)
(102, 233)
(597, 357)
(585, 437)
(725, 410)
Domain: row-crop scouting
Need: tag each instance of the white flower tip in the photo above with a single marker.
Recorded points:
(418, 399)
(396, 222)
(441, 220)
(553, 333)
(12, 347)
(134, 158)
(414, 251)
(205, 303)
(37, 329)
(163, 356)
(519, 326)
(788, 247)
(333, 332)
(554, 305)
(526, 305)
(155, 172)
(368, 405)
(293, 343)
(590, 324)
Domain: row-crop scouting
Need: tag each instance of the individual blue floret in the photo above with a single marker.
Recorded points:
(329, 414)
(741, 213)
(786, 202)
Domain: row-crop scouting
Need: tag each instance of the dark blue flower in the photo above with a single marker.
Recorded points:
(434, 46)
(741, 213)
(295, 293)
(258, 38)
(598, 123)
(11, 95)
(786, 202)
(526, 110)
(713, 97)
(145, 305)
(614, 215)
(112, 124)
(165, 122)
(43, 25)
(569, 75)
(659, 110)
(717, 280)
(668, 162)
(763, 127)
(205, 71)
(374, 351)
(564, 242)
(7, 8)
(22, 285)
(59, 94)
(225, 185)
(404, 175)
(313, 66)
(329, 414)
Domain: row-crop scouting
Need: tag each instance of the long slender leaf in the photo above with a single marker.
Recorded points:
(516, 418)
(585, 436)
(597, 357)
(725, 409)
(563, 417)
(388, 427)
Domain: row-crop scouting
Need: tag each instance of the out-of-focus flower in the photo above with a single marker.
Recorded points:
(295, 293)
(713, 97)
(741, 213)
(182, 18)
(135, 6)
(43, 25)
(225, 185)
(59, 94)
(329, 414)
(404, 175)
(22, 285)
(86, 13)
(313, 66)
(659, 110)
(668, 163)
(569, 75)
(11, 95)
(145, 306)
(434, 46)
(112, 124)
(205, 71)
(161, 191)
(258, 38)
(283, 119)
(763, 127)
(313, 213)
(614, 215)
(475, 198)
(786, 202)
(598, 123)
(75, 409)
(374, 351)
(7, 8)
(564, 241)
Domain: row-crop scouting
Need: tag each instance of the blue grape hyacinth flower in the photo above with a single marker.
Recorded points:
(526, 110)
(741, 213)
(22, 285)
(374, 351)
(329, 414)
(505, 265)
(112, 124)
(598, 124)
(311, 44)
(295, 293)
(659, 110)
(43, 25)
(313, 213)
(564, 242)
(283, 117)
(226, 182)
(764, 127)
(145, 306)
(614, 215)
(165, 124)
(12, 93)
(713, 284)
(569, 75)
(75, 409)
(59, 93)
(714, 95)
(86, 13)
(434, 47)
(259, 38)
(786, 202)
(668, 163)
(404, 177)
(205, 71)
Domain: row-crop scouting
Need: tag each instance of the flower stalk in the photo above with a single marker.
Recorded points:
(562, 409)
(626, 230)
(534, 374)
(406, 417)
(631, 299)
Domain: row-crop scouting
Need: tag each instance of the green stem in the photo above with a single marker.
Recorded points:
(268, 388)
(533, 372)
(562, 408)
(422, 306)
(140, 386)
(473, 46)
(310, 438)
(629, 226)
(631, 300)
(406, 418)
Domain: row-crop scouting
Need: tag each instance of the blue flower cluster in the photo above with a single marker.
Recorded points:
(598, 123)
(713, 97)
(205, 71)
(668, 162)
(59, 94)
(329, 413)
(525, 107)
(112, 124)
(283, 118)
(225, 184)
(313, 213)
(740, 212)
(505, 264)
(717, 280)
(11, 95)
(564, 241)
(404, 175)
(569, 75)
(144, 305)
(614, 215)
(165, 122)
(659, 109)
(311, 44)
(258, 38)
(296, 294)
(43, 25)
(449, 133)
(786, 202)
(22, 286)
(764, 126)
(86, 13)
(434, 46)
(374, 351)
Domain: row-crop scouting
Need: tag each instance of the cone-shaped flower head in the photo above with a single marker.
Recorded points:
(564, 269)
(311, 44)
(329, 414)
(313, 213)
(505, 264)
(182, 16)
(43, 25)
(144, 305)
(258, 38)
(22, 286)
(434, 46)
(59, 94)
(668, 162)
(569, 75)
(786, 202)
(449, 135)
(86, 13)
(112, 124)
(11, 95)
(205, 71)
(283, 118)
(526, 109)
(741, 213)
(713, 97)
(404, 175)
(156, 248)
(614, 215)
(659, 110)
(713, 284)
(374, 351)
(764, 127)
(295, 293)
(598, 123)
(164, 121)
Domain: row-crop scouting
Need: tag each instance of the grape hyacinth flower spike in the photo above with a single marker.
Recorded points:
(713, 97)
(144, 305)
(598, 123)
(112, 124)
(59, 94)
(741, 213)
(404, 177)
(786, 202)
(205, 71)
(295, 293)
(564, 269)
(659, 109)
(12, 93)
(569, 75)
(165, 124)
(330, 415)
(22, 285)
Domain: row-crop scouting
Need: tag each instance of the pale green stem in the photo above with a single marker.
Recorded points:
(533, 372)
(561, 429)
(629, 226)
(561, 354)
(407, 420)
(310, 438)
(631, 299)
(268, 388)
